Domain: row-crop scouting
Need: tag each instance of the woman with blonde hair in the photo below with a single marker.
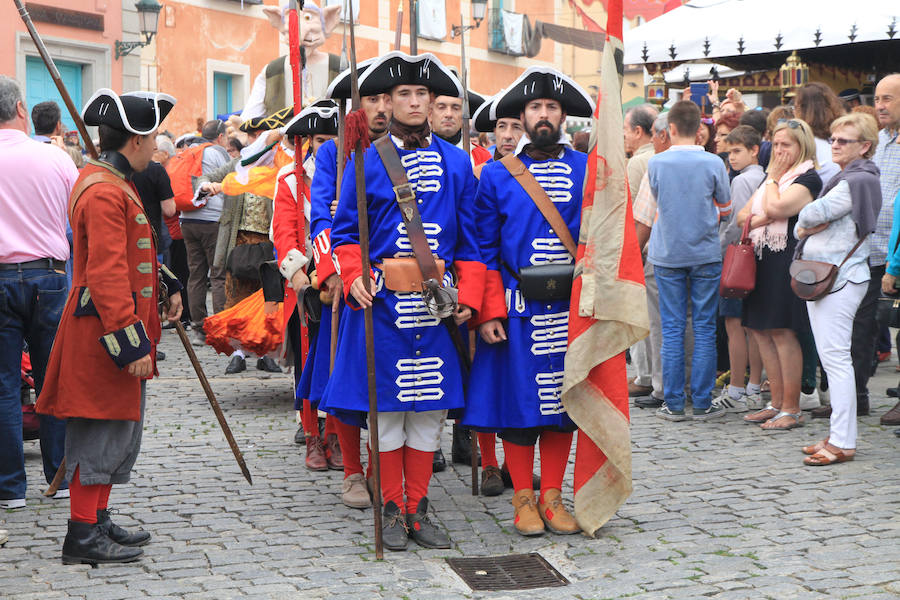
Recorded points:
(834, 229)
(772, 312)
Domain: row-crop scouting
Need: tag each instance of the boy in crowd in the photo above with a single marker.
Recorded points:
(743, 156)
(687, 260)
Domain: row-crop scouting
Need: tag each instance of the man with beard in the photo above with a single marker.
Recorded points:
(528, 210)
(418, 368)
(106, 344)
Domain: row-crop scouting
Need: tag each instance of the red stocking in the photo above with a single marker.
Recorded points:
(103, 500)
(310, 419)
(487, 443)
(348, 438)
(555, 448)
(417, 469)
(330, 426)
(392, 476)
(520, 460)
(83, 499)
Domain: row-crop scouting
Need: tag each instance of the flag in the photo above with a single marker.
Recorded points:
(609, 306)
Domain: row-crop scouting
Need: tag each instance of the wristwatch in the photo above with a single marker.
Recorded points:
(770, 180)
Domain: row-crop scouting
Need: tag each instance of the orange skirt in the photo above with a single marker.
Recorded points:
(252, 325)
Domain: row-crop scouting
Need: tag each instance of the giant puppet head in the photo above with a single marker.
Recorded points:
(316, 23)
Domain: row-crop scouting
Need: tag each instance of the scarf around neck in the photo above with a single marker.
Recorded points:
(540, 153)
(412, 136)
(453, 139)
(862, 175)
(774, 236)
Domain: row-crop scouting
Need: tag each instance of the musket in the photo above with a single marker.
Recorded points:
(398, 35)
(467, 147)
(363, 220)
(413, 27)
(54, 73)
(92, 150)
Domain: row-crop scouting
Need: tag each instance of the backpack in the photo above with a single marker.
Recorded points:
(181, 169)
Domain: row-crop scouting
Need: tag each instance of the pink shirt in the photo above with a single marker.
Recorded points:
(35, 181)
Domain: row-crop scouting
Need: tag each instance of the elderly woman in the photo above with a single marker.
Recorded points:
(772, 312)
(835, 228)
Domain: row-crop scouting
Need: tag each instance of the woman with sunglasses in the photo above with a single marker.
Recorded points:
(772, 312)
(836, 227)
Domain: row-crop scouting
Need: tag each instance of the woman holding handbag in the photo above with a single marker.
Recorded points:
(772, 312)
(834, 229)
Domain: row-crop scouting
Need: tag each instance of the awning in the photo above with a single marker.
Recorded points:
(743, 29)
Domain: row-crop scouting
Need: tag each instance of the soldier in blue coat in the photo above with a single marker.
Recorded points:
(418, 369)
(518, 369)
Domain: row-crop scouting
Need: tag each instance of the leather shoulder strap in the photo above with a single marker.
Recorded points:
(406, 201)
(99, 177)
(537, 194)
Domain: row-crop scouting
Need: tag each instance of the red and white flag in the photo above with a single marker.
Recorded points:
(609, 306)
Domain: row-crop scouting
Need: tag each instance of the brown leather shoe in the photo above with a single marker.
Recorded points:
(638, 390)
(315, 454)
(891, 417)
(555, 516)
(527, 519)
(334, 456)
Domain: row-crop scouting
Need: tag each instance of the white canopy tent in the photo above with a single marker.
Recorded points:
(712, 29)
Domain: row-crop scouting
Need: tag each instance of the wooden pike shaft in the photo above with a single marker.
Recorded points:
(54, 73)
(363, 216)
(398, 31)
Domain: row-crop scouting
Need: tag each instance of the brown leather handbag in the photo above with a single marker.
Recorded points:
(739, 267)
(812, 280)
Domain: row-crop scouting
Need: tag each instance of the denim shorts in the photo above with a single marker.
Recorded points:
(730, 307)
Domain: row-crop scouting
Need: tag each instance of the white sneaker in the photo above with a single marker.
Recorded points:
(12, 504)
(755, 401)
(810, 401)
(729, 404)
(61, 494)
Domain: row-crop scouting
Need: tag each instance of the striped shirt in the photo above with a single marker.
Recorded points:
(887, 157)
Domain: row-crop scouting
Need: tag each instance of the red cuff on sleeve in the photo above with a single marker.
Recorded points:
(471, 283)
(349, 259)
(322, 253)
(493, 305)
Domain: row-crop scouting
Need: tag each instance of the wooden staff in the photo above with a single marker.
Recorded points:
(467, 146)
(336, 300)
(363, 219)
(399, 29)
(413, 28)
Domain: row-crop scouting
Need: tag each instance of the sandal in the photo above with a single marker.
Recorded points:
(825, 457)
(759, 417)
(813, 449)
(797, 422)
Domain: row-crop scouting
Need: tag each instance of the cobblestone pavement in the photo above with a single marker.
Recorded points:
(719, 510)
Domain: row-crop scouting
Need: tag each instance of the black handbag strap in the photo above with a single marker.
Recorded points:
(406, 201)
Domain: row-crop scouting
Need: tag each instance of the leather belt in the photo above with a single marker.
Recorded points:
(51, 264)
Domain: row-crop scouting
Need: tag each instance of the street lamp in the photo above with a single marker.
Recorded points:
(478, 9)
(148, 15)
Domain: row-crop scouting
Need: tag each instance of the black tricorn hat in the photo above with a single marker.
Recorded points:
(543, 82)
(481, 119)
(339, 88)
(274, 121)
(138, 112)
(319, 118)
(475, 99)
(398, 68)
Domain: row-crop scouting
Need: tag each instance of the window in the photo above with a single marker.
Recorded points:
(432, 22)
(222, 94)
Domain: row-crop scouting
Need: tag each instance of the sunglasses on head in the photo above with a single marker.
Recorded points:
(792, 123)
(707, 120)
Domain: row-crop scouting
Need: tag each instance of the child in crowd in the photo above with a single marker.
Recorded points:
(687, 260)
(743, 152)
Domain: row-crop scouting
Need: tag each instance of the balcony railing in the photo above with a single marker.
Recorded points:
(496, 34)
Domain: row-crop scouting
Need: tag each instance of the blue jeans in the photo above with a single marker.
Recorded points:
(31, 304)
(700, 285)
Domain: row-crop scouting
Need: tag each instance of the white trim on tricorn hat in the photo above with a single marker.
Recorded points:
(543, 82)
(140, 113)
(482, 120)
(319, 118)
(398, 68)
(339, 88)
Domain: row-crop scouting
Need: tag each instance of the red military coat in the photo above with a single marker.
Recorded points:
(111, 316)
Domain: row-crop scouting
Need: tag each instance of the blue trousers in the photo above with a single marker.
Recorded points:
(31, 304)
(698, 285)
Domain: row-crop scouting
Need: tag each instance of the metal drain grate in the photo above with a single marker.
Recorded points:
(512, 572)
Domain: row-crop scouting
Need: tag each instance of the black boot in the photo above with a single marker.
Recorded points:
(119, 535)
(423, 531)
(438, 463)
(461, 450)
(299, 437)
(507, 479)
(86, 544)
(236, 365)
(267, 364)
(394, 534)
